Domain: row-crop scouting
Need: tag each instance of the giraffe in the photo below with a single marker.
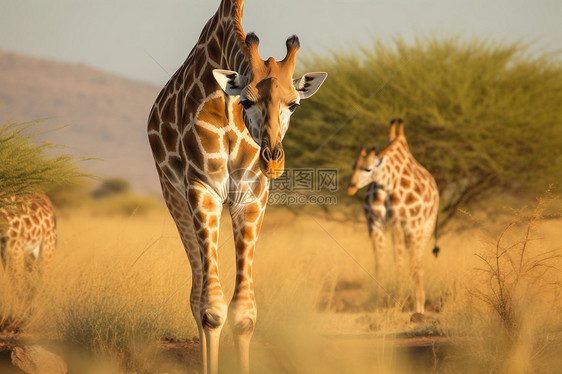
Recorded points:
(402, 195)
(215, 132)
(27, 233)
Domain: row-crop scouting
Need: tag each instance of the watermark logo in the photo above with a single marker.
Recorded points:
(244, 186)
(304, 186)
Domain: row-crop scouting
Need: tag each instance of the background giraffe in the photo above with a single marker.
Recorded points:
(215, 131)
(402, 195)
(28, 233)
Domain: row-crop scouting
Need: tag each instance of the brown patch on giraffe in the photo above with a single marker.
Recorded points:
(415, 210)
(240, 262)
(208, 204)
(210, 140)
(407, 172)
(176, 164)
(405, 182)
(395, 197)
(200, 62)
(169, 110)
(213, 113)
(400, 157)
(213, 221)
(410, 199)
(246, 154)
(169, 134)
(157, 148)
(192, 150)
(213, 49)
(216, 165)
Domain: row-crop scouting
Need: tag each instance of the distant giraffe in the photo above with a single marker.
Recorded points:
(215, 131)
(27, 233)
(402, 195)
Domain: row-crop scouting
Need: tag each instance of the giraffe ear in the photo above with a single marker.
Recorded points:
(309, 83)
(230, 81)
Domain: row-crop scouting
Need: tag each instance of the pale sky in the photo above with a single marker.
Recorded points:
(149, 39)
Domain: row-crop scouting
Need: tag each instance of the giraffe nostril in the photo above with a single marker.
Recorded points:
(266, 154)
(278, 153)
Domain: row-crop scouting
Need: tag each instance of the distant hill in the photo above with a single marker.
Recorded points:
(106, 115)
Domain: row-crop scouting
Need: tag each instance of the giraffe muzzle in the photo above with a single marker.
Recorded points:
(351, 189)
(272, 160)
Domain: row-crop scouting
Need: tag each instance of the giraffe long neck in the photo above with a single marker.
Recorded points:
(398, 157)
(224, 39)
(236, 57)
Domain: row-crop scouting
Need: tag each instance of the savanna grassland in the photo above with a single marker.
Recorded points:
(117, 298)
(483, 117)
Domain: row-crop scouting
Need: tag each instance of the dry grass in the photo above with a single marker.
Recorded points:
(121, 283)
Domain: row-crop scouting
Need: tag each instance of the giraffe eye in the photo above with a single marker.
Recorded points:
(293, 107)
(247, 104)
(366, 169)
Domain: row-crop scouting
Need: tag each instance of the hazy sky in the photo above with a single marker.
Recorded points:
(148, 39)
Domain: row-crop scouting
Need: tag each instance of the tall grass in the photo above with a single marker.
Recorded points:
(119, 285)
(510, 307)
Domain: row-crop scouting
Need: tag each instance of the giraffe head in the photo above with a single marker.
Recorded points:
(268, 97)
(365, 170)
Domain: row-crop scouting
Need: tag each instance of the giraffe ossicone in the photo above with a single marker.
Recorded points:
(215, 131)
(401, 196)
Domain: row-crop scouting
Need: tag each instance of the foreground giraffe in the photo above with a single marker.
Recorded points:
(215, 131)
(27, 233)
(402, 195)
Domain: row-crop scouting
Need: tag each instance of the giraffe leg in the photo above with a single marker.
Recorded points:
(378, 242)
(399, 248)
(415, 246)
(242, 310)
(179, 210)
(205, 210)
(15, 262)
(47, 252)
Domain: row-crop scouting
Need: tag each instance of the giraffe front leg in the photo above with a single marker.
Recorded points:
(242, 311)
(180, 212)
(15, 261)
(378, 242)
(205, 211)
(399, 247)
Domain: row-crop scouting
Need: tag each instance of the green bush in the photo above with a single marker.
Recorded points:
(481, 116)
(27, 166)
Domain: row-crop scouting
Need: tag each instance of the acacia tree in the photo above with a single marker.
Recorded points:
(481, 116)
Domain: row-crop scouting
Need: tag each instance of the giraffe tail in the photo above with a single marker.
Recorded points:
(436, 249)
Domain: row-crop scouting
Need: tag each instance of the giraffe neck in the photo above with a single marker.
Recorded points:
(224, 39)
(398, 157)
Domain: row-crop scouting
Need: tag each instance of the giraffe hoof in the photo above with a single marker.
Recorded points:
(211, 320)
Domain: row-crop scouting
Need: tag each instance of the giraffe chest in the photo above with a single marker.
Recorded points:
(225, 159)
